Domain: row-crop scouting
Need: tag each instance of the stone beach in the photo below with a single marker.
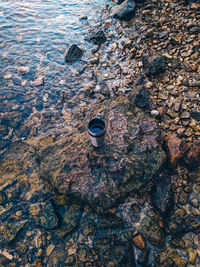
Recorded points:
(135, 201)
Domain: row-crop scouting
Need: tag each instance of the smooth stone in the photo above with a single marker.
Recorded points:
(152, 232)
(73, 53)
(125, 11)
(154, 113)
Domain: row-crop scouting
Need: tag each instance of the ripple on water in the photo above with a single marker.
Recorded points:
(35, 34)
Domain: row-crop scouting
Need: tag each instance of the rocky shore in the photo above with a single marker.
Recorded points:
(135, 201)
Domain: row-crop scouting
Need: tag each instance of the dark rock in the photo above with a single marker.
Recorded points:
(97, 37)
(46, 216)
(104, 89)
(70, 220)
(154, 65)
(74, 53)
(110, 221)
(143, 257)
(162, 195)
(3, 198)
(125, 11)
(139, 80)
(129, 158)
(10, 229)
(58, 256)
(142, 98)
(114, 252)
(89, 228)
(169, 257)
(192, 158)
(135, 208)
(152, 232)
(183, 198)
(3, 130)
(196, 115)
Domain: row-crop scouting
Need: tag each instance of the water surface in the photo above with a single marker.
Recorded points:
(35, 35)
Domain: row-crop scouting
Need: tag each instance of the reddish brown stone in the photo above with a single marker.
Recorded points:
(139, 241)
(175, 148)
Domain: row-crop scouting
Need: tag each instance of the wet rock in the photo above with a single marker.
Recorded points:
(110, 221)
(196, 115)
(97, 37)
(114, 252)
(135, 208)
(89, 228)
(183, 198)
(57, 257)
(152, 232)
(154, 65)
(70, 220)
(162, 195)
(10, 229)
(142, 98)
(180, 223)
(192, 158)
(3, 130)
(194, 202)
(104, 89)
(169, 257)
(125, 11)
(74, 53)
(45, 215)
(139, 241)
(175, 148)
(129, 158)
(143, 257)
(3, 197)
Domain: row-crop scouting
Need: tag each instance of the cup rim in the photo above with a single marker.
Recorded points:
(100, 134)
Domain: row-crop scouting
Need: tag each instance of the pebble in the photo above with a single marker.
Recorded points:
(185, 115)
(7, 254)
(50, 249)
(154, 113)
(194, 202)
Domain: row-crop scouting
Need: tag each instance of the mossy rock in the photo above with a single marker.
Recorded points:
(130, 157)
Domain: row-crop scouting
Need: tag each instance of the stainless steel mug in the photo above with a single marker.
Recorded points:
(97, 130)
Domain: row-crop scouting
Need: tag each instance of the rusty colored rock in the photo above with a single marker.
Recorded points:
(175, 147)
(139, 241)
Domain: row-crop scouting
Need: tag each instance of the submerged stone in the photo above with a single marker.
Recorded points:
(154, 65)
(162, 195)
(97, 37)
(152, 232)
(74, 53)
(130, 157)
(169, 257)
(45, 216)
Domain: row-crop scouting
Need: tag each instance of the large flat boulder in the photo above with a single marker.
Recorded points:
(130, 157)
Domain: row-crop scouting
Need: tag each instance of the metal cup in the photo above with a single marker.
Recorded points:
(97, 130)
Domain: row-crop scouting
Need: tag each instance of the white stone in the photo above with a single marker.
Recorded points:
(154, 113)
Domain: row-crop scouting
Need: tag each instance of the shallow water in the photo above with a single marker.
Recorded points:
(35, 34)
